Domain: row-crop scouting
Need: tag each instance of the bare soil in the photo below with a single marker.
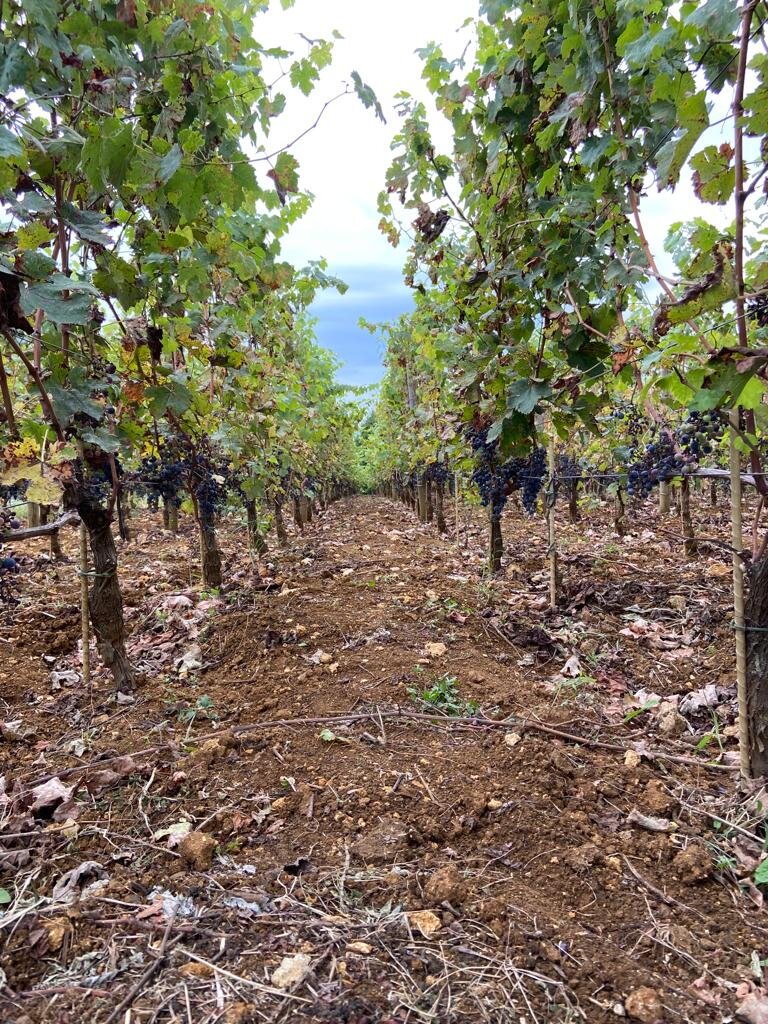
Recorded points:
(278, 789)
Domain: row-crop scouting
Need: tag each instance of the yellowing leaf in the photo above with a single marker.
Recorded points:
(41, 488)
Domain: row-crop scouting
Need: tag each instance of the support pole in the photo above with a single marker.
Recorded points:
(85, 624)
(456, 504)
(552, 549)
(737, 544)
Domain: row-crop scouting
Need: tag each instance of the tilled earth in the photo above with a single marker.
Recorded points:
(365, 783)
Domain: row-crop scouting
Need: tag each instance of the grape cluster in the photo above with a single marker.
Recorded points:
(8, 564)
(497, 480)
(437, 472)
(567, 467)
(699, 432)
(674, 453)
(13, 493)
(532, 476)
(210, 495)
(628, 415)
(162, 477)
(97, 485)
(8, 521)
(661, 460)
(757, 310)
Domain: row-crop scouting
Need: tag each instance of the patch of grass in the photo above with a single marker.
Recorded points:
(573, 687)
(649, 705)
(443, 695)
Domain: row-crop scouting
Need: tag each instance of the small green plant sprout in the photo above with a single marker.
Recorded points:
(713, 736)
(573, 686)
(647, 705)
(443, 695)
(203, 706)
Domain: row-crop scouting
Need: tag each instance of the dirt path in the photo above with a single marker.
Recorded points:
(412, 870)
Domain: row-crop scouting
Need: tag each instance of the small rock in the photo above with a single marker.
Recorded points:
(361, 948)
(426, 921)
(669, 721)
(583, 858)
(435, 650)
(693, 864)
(446, 885)
(657, 801)
(382, 843)
(239, 1013)
(197, 850)
(644, 1004)
(196, 970)
(291, 971)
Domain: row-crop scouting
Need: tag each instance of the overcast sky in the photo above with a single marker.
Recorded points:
(344, 160)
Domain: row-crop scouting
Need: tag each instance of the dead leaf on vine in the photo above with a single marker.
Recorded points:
(620, 358)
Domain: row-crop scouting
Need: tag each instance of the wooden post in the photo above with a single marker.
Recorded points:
(552, 549)
(685, 517)
(85, 626)
(456, 503)
(737, 543)
(664, 497)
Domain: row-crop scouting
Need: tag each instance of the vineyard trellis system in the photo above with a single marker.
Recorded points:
(154, 345)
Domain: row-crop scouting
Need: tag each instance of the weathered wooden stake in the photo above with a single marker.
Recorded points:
(552, 550)
(456, 503)
(85, 622)
(737, 543)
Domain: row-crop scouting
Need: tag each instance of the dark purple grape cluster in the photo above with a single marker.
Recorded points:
(757, 309)
(630, 417)
(8, 520)
(699, 433)
(211, 496)
(567, 467)
(161, 476)
(12, 494)
(97, 485)
(497, 480)
(532, 476)
(8, 565)
(674, 453)
(437, 472)
(662, 459)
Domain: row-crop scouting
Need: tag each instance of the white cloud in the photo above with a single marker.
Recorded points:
(344, 160)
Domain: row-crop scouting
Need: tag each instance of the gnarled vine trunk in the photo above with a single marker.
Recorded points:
(256, 538)
(298, 517)
(619, 510)
(282, 533)
(495, 545)
(573, 501)
(105, 599)
(421, 499)
(439, 508)
(210, 553)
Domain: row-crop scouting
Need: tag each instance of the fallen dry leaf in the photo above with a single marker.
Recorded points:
(426, 921)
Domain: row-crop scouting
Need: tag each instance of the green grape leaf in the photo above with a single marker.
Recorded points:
(9, 144)
(367, 96)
